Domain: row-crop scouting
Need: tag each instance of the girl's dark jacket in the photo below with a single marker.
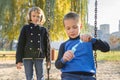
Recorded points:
(33, 43)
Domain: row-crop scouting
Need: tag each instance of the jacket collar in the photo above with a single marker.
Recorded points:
(32, 24)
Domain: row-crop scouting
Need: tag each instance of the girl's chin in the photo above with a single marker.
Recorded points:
(35, 22)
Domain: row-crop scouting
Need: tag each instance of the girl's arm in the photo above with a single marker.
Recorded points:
(20, 46)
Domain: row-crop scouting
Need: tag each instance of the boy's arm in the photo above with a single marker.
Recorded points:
(97, 43)
(59, 63)
(100, 45)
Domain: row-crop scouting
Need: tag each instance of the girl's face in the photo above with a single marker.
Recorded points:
(72, 27)
(35, 17)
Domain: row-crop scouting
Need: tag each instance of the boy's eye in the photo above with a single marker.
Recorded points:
(74, 27)
(35, 16)
(68, 28)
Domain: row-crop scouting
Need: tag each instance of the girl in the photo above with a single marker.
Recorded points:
(33, 45)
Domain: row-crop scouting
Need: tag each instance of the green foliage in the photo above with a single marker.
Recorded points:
(81, 7)
(13, 15)
(61, 8)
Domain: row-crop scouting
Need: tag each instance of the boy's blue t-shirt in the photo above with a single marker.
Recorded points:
(83, 60)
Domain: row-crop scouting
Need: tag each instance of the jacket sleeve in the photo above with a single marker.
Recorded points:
(20, 46)
(47, 46)
(101, 45)
(59, 63)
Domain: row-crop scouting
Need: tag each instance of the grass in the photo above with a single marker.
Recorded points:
(107, 56)
(7, 52)
(7, 55)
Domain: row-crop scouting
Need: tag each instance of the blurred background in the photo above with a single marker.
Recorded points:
(13, 16)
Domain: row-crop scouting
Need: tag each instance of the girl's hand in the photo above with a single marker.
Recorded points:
(19, 65)
(68, 55)
(85, 37)
(48, 65)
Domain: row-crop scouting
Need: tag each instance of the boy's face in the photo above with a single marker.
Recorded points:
(35, 17)
(72, 27)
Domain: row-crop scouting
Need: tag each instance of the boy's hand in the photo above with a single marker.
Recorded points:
(85, 37)
(68, 55)
(18, 65)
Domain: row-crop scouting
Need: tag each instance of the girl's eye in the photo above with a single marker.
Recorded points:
(38, 16)
(33, 15)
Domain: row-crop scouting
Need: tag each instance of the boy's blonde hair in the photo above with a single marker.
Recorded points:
(71, 15)
(39, 11)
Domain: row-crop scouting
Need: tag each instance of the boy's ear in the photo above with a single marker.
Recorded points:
(80, 26)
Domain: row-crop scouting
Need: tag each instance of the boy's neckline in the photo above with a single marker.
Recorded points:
(78, 37)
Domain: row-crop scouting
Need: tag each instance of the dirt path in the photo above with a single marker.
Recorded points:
(108, 70)
(105, 71)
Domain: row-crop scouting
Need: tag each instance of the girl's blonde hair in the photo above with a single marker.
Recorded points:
(40, 11)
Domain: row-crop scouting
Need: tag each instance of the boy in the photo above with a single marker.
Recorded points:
(75, 58)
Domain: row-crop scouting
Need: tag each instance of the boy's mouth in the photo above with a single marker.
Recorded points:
(72, 34)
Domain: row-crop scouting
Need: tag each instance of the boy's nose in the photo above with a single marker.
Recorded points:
(71, 30)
